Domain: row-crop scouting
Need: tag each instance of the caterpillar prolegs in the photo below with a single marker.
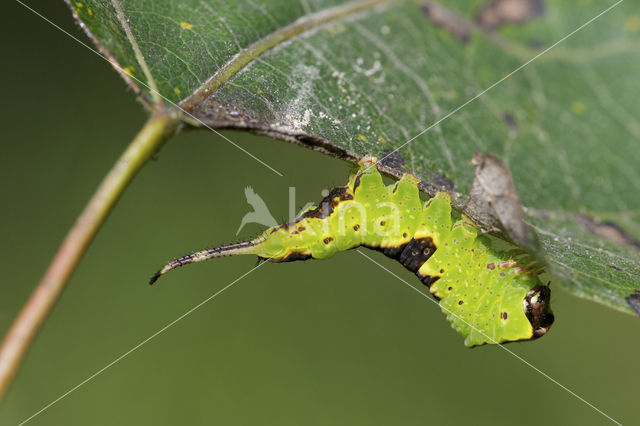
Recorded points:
(488, 288)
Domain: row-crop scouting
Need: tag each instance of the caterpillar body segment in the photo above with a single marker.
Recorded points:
(488, 289)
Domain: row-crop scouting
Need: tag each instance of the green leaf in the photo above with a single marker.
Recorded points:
(349, 78)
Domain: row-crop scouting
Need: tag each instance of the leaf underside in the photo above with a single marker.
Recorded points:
(350, 78)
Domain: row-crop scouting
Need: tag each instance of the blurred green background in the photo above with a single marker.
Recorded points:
(336, 342)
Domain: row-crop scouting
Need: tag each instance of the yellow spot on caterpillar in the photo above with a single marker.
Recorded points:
(129, 70)
(176, 90)
(632, 24)
(186, 25)
(368, 159)
(411, 178)
(79, 5)
(578, 108)
(362, 138)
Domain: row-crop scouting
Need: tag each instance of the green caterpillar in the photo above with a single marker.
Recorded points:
(488, 288)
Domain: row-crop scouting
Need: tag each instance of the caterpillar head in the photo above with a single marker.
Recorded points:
(538, 309)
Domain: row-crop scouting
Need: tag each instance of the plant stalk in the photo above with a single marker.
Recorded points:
(160, 126)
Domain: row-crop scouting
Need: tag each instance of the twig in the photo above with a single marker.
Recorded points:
(161, 125)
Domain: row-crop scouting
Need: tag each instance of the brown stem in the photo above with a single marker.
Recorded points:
(156, 131)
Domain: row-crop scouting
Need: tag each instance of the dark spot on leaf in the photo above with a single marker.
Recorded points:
(634, 301)
(510, 121)
(442, 182)
(447, 19)
(404, 235)
(382, 223)
(392, 159)
(450, 288)
(501, 12)
(503, 315)
(219, 111)
(356, 227)
(327, 240)
(608, 230)
(442, 271)
(615, 267)
(491, 266)
(537, 44)
(460, 302)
